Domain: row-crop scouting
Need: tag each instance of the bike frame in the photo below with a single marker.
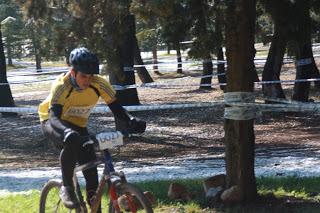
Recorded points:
(109, 178)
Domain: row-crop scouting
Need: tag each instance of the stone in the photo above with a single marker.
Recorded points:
(178, 192)
(214, 182)
(214, 193)
(231, 195)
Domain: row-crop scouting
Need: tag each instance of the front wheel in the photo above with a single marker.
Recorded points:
(130, 199)
(50, 201)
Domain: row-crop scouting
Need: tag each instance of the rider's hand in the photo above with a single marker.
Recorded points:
(135, 126)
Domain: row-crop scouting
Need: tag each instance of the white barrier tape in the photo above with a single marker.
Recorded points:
(297, 105)
(100, 109)
(281, 100)
(128, 69)
(254, 107)
(200, 63)
(310, 107)
(22, 110)
(29, 82)
(239, 112)
(174, 69)
(31, 71)
(118, 87)
(166, 86)
(214, 61)
(242, 97)
(58, 71)
(159, 85)
(288, 81)
(304, 61)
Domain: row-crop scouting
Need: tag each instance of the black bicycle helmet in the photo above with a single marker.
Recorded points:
(83, 60)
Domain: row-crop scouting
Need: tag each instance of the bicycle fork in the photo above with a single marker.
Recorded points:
(98, 196)
(105, 180)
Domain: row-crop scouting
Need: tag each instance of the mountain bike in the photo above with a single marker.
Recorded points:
(122, 196)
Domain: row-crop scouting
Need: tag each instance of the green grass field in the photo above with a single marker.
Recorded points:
(289, 194)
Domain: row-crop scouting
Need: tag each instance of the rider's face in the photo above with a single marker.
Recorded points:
(82, 79)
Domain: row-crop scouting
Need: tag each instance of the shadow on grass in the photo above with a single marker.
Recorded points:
(305, 199)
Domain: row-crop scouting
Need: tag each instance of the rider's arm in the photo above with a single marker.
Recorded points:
(133, 125)
(119, 112)
(56, 123)
(108, 94)
(106, 91)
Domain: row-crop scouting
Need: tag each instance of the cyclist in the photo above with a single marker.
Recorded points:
(64, 116)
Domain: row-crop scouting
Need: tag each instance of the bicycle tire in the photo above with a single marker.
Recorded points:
(50, 201)
(130, 190)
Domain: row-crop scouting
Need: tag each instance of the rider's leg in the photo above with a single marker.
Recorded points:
(91, 175)
(68, 152)
(68, 159)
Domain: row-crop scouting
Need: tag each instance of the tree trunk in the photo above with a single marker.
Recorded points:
(239, 134)
(36, 48)
(315, 72)
(141, 70)
(272, 68)
(38, 61)
(128, 96)
(9, 52)
(205, 82)
(179, 59)
(221, 68)
(219, 51)
(304, 55)
(6, 99)
(254, 74)
(155, 60)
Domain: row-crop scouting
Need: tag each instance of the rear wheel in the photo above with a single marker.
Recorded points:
(50, 201)
(130, 199)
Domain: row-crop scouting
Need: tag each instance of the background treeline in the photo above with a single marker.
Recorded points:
(119, 30)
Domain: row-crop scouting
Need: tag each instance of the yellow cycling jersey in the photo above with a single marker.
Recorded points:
(76, 105)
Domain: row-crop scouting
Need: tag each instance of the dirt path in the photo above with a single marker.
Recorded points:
(169, 132)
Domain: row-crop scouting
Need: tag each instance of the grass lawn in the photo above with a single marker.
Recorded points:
(284, 194)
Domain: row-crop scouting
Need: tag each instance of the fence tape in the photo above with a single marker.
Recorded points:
(304, 61)
(57, 71)
(128, 69)
(101, 109)
(235, 112)
(236, 108)
(281, 100)
(175, 85)
(28, 82)
(310, 107)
